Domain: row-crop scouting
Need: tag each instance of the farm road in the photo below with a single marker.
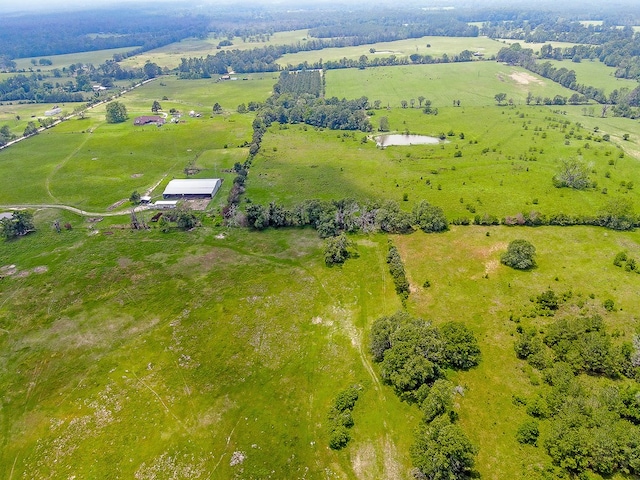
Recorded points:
(84, 213)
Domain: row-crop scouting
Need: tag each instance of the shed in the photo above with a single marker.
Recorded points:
(145, 199)
(165, 204)
(192, 188)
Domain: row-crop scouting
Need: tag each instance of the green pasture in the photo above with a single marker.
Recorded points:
(96, 58)
(150, 354)
(170, 55)
(92, 165)
(400, 48)
(473, 83)
(596, 74)
(469, 284)
(534, 45)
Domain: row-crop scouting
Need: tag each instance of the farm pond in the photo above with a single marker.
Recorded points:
(402, 139)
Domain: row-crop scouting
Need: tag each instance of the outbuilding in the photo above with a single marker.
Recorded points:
(191, 188)
(165, 204)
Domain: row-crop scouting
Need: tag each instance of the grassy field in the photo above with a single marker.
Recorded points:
(473, 83)
(169, 353)
(596, 74)
(400, 48)
(92, 165)
(60, 61)
(217, 353)
(469, 284)
(507, 160)
(166, 354)
(170, 55)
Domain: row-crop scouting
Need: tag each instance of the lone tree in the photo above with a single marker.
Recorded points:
(156, 106)
(520, 255)
(384, 124)
(135, 197)
(572, 174)
(336, 250)
(500, 97)
(116, 112)
(217, 108)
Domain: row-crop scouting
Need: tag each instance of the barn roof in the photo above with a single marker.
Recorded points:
(192, 186)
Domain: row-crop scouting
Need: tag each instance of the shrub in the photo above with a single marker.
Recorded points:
(528, 433)
(520, 255)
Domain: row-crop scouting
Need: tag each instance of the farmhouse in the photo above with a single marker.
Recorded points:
(145, 120)
(191, 188)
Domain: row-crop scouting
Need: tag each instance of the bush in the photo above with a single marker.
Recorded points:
(528, 433)
(339, 438)
(520, 255)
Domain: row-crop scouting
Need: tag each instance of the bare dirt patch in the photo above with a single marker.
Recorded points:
(137, 175)
(41, 269)
(116, 205)
(199, 205)
(524, 78)
(8, 270)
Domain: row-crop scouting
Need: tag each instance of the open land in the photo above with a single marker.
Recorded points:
(217, 353)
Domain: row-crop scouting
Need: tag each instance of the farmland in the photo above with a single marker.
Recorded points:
(218, 352)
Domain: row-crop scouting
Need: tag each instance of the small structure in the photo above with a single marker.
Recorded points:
(149, 119)
(165, 204)
(191, 188)
(54, 111)
(98, 88)
(145, 199)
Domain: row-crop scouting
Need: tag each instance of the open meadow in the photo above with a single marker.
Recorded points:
(430, 45)
(218, 352)
(499, 160)
(170, 55)
(61, 61)
(93, 165)
(596, 74)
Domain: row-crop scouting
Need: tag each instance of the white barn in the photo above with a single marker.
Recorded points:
(192, 188)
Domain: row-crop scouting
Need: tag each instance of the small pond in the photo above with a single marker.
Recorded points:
(401, 139)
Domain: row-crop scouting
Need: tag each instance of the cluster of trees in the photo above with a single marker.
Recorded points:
(396, 268)
(591, 426)
(32, 88)
(413, 353)
(581, 343)
(341, 418)
(58, 33)
(299, 83)
(330, 218)
(20, 223)
(413, 356)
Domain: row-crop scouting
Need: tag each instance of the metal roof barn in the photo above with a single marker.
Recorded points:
(192, 188)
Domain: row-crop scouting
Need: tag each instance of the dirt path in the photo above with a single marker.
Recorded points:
(69, 208)
(47, 182)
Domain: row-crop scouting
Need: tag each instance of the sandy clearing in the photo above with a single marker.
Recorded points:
(524, 78)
